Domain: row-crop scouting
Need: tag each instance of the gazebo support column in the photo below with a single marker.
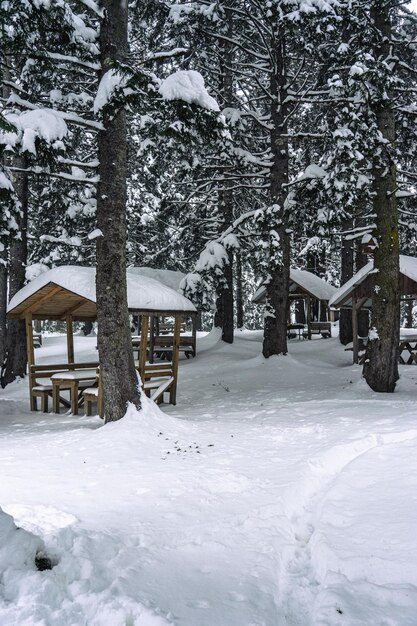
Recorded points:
(175, 358)
(143, 345)
(70, 339)
(356, 307)
(31, 357)
(355, 331)
(151, 339)
(194, 332)
(308, 316)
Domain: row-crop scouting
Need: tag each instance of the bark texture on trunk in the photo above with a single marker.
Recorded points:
(225, 299)
(14, 365)
(381, 366)
(3, 305)
(278, 280)
(346, 272)
(224, 317)
(117, 368)
(363, 314)
(239, 292)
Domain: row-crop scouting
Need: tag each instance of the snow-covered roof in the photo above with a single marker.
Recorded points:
(343, 296)
(170, 278)
(144, 293)
(308, 282)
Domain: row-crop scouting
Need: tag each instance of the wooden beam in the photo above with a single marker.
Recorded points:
(143, 346)
(194, 333)
(35, 306)
(74, 307)
(355, 330)
(70, 339)
(151, 339)
(308, 316)
(31, 357)
(175, 358)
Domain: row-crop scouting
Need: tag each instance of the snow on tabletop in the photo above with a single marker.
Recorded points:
(408, 267)
(143, 292)
(188, 85)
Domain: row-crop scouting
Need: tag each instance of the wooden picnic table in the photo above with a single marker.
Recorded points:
(74, 381)
(294, 329)
(408, 344)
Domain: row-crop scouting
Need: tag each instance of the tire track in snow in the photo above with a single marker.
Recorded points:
(298, 583)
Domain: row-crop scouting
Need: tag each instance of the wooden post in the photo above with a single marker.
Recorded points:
(194, 331)
(355, 331)
(70, 339)
(31, 357)
(175, 358)
(151, 339)
(143, 346)
(308, 303)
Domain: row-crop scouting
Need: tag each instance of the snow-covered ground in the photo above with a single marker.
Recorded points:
(276, 493)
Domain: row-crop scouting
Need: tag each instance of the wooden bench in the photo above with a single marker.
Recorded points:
(162, 346)
(93, 395)
(158, 379)
(320, 328)
(44, 391)
(37, 340)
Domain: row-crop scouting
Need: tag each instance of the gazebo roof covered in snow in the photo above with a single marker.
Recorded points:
(361, 285)
(71, 290)
(302, 283)
(170, 278)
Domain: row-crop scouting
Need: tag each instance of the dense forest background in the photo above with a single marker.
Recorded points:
(304, 151)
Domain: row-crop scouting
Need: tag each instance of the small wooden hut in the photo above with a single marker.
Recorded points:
(312, 290)
(356, 293)
(68, 293)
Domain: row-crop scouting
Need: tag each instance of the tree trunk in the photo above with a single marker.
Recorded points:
(239, 291)
(225, 300)
(381, 366)
(15, 362)
(3, 304)
(345, 319)
(363, 314)
(117, 369)
(277, 286)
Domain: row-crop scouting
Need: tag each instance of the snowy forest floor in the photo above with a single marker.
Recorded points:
(276, 493)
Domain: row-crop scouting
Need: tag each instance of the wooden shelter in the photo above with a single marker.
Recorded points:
(67, 293)
(356, 293)
(312, 290)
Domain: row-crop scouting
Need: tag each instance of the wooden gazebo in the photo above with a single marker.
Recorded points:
(356, 293)
(68, 293)
(309, 288)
